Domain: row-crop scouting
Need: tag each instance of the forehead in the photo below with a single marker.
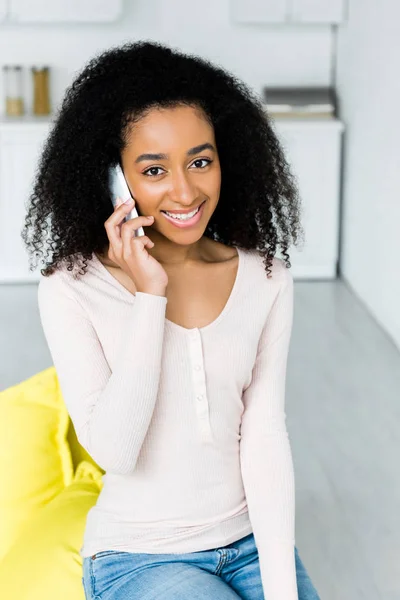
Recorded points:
(181, 125)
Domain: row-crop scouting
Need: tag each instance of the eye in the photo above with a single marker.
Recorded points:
(151, 169)
(198, 160)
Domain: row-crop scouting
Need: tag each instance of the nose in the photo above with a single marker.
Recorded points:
(183, 192)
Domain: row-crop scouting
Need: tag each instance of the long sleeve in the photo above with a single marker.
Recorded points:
(266, 459)
(111, 411)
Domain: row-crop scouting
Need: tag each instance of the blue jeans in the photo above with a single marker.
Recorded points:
(226, 573)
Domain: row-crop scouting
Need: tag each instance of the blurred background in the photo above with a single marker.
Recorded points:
(328, 74)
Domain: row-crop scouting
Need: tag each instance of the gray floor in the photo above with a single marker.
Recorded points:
(343, 412)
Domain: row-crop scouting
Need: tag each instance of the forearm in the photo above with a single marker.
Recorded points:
(116, 427)
(267, 470)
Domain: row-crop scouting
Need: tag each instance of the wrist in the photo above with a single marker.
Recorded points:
(153, 291)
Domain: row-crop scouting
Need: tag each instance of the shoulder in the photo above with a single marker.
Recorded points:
(280, 275)
(69, 280)
(61, 284)
(55, 281)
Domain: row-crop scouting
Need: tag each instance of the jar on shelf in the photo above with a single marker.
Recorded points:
(41, 95)
(13, 90)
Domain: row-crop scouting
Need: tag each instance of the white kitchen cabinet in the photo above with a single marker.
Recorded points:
(312, 149)
(289, 11)
(257, 11)
(318, 11)
(64, 11)
(21, 140)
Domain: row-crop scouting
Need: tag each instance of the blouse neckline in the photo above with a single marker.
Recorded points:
(172, 324)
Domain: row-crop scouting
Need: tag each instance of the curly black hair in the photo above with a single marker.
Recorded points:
(258, 207)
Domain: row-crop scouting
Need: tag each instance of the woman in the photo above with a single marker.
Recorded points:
(171, 348)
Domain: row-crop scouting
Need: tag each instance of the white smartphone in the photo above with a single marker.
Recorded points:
(119, 188)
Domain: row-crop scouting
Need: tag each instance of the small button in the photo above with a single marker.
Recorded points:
(200, 397)
(197, 367)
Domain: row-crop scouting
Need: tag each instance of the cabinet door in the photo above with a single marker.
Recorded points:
(19, 153)
(64, 11)
(313, 153)
(260, 11)
(318, 11)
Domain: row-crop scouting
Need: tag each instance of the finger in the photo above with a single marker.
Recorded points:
(136, 222)
(128, 229)
(134, 246)
(113, 225)
(121, 209)
(118, 202)
(114, 222)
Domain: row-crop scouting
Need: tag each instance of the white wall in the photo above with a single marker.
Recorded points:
(259, 54)
(369, 87)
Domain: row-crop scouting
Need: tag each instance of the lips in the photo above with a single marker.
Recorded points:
(183, 212)
(182, 224)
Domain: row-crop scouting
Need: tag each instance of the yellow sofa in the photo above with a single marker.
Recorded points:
(48, 483)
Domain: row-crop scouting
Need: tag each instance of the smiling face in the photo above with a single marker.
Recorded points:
(185, 175)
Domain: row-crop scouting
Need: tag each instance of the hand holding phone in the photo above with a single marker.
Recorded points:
(119, 189)
(128, 241)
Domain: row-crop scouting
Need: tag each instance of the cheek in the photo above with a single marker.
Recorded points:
(215, 183)
(147, 196)
(216, 175)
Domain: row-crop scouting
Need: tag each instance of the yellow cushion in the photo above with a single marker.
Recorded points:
(45, 563)
(35, 459)
(78, 452)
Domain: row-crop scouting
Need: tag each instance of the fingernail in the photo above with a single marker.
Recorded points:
(128, 201)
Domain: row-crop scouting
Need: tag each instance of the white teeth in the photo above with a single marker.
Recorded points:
(183, 217)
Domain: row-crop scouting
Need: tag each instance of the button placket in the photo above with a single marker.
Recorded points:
(199, 385)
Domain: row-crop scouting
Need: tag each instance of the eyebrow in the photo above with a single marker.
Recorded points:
(190, 152)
